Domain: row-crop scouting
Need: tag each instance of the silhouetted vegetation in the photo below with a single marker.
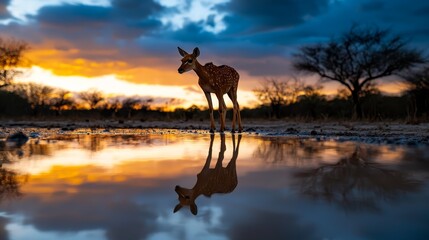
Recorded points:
(418, 92)
(357, 58)
(11, 57)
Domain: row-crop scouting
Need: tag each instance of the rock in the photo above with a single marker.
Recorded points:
(34, 135)
(292, 130)
(18, 138)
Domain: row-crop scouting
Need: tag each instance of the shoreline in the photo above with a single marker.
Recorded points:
(392, 133)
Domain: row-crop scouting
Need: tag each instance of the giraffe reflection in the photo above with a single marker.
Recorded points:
(354, 183)
(211, 180)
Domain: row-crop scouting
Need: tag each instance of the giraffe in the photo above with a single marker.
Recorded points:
(219, 80)
(211, 180)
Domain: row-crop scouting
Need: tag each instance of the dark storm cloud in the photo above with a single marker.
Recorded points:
(3, 11)
(256, 15)
(256, 31)
(100, 21)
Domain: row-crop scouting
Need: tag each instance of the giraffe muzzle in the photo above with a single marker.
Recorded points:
(180, 70)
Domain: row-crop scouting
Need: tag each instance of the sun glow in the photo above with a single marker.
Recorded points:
(113, 85)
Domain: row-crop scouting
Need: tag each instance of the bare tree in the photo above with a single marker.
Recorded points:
(93, 97)
(418, 90)
(357, 58)
(130, 104)
(277, 93)
(11, 57)
(61, 100)
(37, 95)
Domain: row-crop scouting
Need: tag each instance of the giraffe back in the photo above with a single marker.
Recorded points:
(219, 78)
(217, 180)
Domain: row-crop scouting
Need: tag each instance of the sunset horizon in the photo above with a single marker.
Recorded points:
(127, 49)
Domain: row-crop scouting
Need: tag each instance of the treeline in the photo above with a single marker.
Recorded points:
(43, 102)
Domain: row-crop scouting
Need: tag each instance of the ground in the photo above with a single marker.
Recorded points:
(396, 133)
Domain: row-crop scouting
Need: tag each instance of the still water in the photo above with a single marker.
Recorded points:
(201, 186)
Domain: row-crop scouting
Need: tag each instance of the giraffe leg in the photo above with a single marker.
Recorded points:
(234, 111)
(237, 108)
(222, 112)
(209, 101)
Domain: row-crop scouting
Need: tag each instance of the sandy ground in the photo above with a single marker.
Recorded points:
(395, 133)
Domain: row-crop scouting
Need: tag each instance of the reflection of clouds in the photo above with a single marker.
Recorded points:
(261, 224)
(78, 196)
(111, 207)
(205, 227)
(3, 232)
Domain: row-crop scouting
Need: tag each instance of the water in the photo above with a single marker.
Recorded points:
(123, 187)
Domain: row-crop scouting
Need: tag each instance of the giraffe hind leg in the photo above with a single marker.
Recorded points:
(233, 98)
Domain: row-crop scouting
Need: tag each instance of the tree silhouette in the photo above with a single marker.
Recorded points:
(357, 58)
(418, 82)
(11, 57)
(277, 93)
(36, 95)
(61, 100)
(93, 97)
(130, 104)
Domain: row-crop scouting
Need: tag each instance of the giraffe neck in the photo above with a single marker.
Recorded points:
(200, 71)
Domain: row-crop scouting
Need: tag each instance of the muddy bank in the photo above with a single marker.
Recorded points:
(395, 133)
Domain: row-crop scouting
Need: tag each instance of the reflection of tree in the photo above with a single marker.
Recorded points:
(9, 184)
(288, 150)
(355, 183)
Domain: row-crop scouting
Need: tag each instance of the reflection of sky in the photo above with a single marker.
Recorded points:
(126, 191)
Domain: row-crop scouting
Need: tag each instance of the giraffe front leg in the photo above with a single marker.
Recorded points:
(222, 112)
(209, 101)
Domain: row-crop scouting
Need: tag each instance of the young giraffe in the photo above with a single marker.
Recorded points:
(219, 80)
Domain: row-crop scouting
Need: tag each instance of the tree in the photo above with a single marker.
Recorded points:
(130, 104)
(11, 57)
(36, 95)
(93, 97)
(61, 100)
(357, 58)
(277, 93)
(418, 90)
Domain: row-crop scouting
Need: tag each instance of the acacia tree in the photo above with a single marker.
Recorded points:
(357, 58)
(11, 57)
(277, 93)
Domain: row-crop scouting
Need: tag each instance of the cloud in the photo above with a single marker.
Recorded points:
(259, 16)
(205, 13)
(22, 9)
(100, 37)
(4, 13)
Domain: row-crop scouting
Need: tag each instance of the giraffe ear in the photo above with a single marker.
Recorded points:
(177, 208)
(196, 52)
(182, 52)
(194, 209)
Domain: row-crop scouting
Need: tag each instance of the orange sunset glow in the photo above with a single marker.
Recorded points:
(78, 45)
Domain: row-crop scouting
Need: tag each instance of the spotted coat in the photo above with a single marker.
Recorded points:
(218, 78)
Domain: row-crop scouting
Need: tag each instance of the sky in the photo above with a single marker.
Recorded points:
(129, 47)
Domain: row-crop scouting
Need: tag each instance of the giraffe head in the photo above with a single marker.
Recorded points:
(188, 60)
(186, 198)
